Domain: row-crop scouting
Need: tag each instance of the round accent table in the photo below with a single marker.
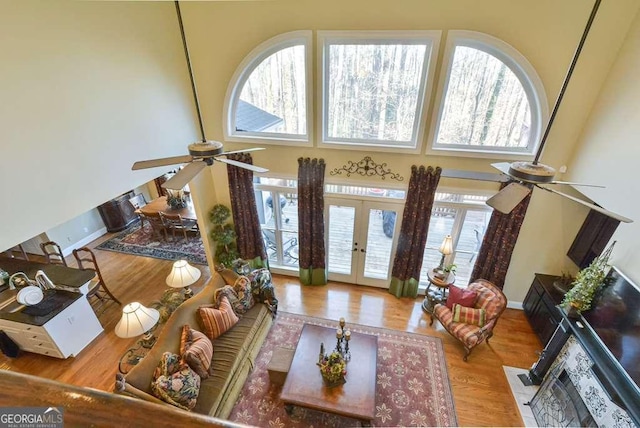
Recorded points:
(436, 291)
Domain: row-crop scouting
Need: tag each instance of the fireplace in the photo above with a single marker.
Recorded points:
(558, 402)
(572, 393)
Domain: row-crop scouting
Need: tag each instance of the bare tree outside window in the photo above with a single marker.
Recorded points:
(373, 91)
(273, 98)
(485, 103)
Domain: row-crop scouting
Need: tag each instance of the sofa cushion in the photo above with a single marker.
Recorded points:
(197, 350)
(461, 296)
(214, 322)
(467, 315)
(230, 354)
(175, 382)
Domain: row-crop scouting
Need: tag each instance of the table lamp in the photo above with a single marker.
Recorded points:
(137, 319)
(446, 248)
(182, 276)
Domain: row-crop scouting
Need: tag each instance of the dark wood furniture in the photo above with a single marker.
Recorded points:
(53, 253)
(87, 261)
(595, 233)
(439, 293)
(176, 223)
(540, 306)
(118, 213)
(160, 205)
(304, 386)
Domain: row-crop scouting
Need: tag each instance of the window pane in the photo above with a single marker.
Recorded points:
(485, 103)
(473, 228)
(273, 98)
(373, 91)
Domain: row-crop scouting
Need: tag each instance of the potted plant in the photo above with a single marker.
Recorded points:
(224, 235)
(587, 283)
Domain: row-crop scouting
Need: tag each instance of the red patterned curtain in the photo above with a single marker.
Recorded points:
(498, 244)
(413, 231)
(245, 212)
(312, 264)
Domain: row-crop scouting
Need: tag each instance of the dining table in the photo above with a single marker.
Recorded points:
(160, 205)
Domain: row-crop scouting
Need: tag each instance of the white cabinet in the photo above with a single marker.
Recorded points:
(64, 335)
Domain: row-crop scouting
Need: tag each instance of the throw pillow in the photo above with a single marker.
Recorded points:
(175, 383)
(214, 322)
(461, 296)
(468, 315)
(239, 295)
(262, 288)
(197, 350)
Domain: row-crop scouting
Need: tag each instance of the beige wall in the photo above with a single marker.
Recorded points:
(610, 150)
(87, 88)
(546, 32)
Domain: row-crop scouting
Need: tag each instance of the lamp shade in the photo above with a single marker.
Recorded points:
(136, 320)
(183, 275)
(447, 245)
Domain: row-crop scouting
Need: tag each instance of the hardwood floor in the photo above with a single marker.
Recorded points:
(480, 388)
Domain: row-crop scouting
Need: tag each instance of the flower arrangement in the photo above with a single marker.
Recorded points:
(587, 283)
(176, 199)
(333, 369)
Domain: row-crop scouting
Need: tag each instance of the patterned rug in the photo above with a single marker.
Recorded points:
(142, 242)
(412, 382)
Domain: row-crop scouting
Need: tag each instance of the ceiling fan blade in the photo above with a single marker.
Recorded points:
(590, 205)
(243, 165)
(503, 167)
(152, 163)
(255, 149)
(577, 184)
(473, 175)
(508, 198)
(184, 176)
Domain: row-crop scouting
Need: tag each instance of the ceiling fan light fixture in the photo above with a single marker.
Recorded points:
(205, 148)
(532, 172)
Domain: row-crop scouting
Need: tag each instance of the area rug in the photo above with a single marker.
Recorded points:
(412, 382)
(142, 242)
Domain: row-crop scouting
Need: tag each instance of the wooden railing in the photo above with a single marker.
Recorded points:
(91, 407)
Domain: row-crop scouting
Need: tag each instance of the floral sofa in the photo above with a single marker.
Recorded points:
(233, 353)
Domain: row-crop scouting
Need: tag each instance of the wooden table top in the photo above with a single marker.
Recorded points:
(449, 279)
(304, 386)
(160, 205)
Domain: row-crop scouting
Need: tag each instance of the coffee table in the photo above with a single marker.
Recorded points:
(304, 386)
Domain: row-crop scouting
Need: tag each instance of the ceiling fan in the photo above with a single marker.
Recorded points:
(527, 175)
(202, 153)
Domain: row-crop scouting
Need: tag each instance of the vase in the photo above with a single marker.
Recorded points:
(573, 312)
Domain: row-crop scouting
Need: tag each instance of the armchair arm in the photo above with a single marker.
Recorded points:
(486, 330)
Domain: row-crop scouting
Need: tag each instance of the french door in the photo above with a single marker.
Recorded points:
(361, 240)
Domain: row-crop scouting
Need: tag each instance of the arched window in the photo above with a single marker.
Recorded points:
(269, 95)
(491, 99)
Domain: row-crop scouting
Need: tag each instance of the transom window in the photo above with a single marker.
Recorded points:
(492, 98)
(373, 86)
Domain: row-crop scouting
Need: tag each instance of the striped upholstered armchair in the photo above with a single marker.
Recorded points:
(472, 326)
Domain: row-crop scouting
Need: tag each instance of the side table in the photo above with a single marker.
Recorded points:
(437, 294)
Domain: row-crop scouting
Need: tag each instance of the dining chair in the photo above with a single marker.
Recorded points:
(158, 225)
(53, 253)
(176, 223)
(98, 290)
